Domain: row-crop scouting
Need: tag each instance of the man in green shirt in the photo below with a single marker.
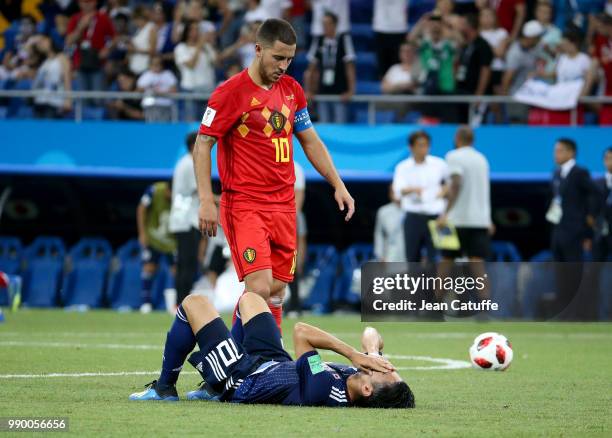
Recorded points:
(152, 217)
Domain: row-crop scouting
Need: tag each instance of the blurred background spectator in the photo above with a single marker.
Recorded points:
(155, 82)
(389, 23)
(195, 57)
(331, 70)
(54, 74)
(88, 33)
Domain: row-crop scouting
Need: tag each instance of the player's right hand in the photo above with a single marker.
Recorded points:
(369, 363)
(208, 218)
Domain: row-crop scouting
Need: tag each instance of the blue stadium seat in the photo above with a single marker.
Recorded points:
(505, 252)
(3, 112)
(503, 287)
(44, 264)
(368, 87)
(361, 11)
(85, 282)
(362, 36)
(539, 279)
(321, 264)
(350, 260)
(366, 66)
(10, 261)
(124, 282)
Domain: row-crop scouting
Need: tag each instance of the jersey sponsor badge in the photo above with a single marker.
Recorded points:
(209, 116)
(277, 120)
(316, 364)
(249, 255)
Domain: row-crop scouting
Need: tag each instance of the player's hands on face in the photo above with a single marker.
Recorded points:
(345, 200)
(369, 363)
(208, 218)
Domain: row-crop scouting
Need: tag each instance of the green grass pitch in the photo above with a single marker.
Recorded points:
(560, 383)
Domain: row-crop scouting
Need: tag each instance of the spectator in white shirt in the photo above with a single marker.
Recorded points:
(390, 23)
(156, 82)
(574, 64)
(418, 182)
(402, 78)
(143, 43)
(499, 40)
(195, 57)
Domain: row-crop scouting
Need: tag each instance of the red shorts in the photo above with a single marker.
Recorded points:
(261, 240)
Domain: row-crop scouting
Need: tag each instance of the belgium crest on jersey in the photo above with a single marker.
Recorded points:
(249, 255)
(277, 120)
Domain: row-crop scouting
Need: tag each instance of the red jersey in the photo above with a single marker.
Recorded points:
(506, 12)
(254, 130)
(603, 53)
(99, 31)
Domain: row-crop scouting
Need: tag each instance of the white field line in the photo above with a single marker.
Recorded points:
(91, 374)
(440, 363)
(414, 335)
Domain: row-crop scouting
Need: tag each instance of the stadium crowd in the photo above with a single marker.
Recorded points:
(481, 47)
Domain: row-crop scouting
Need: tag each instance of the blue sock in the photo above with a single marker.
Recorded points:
(146, 279)
(237, 330)
(179, 343)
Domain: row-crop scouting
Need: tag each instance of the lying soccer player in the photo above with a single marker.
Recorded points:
(261, 371)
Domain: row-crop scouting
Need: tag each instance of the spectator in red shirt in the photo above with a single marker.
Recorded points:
(510, 14)
(89, 33)
(602, 51)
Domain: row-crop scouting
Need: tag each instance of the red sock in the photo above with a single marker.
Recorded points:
(277, 313)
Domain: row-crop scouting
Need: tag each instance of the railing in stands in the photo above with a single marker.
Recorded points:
(372, 101)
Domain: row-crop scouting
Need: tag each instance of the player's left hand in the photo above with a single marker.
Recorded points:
(345, 200)
(369, 363)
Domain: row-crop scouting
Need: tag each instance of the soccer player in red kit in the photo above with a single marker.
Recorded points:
(253, 116)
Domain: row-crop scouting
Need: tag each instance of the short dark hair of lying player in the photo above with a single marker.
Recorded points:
(260, 371)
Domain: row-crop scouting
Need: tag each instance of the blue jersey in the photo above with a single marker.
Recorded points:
(307, 381)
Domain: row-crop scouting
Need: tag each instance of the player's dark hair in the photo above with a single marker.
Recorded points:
(412, 138)
(608, 151)
(186, 29)
(472, 21)
(190, 140)
(331, 15)
(465, 134)
(395, 395)
(574, 36)
(275, 29)
(569, 144)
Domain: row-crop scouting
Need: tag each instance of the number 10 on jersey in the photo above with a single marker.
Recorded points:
(282, 149)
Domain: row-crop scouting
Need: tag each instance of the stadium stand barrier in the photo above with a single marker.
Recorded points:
(19, 92)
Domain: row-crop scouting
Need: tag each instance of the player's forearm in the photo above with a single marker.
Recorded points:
(453, 192)
(307, 337)
(202, 166)
(320, 158)
(371, 341)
